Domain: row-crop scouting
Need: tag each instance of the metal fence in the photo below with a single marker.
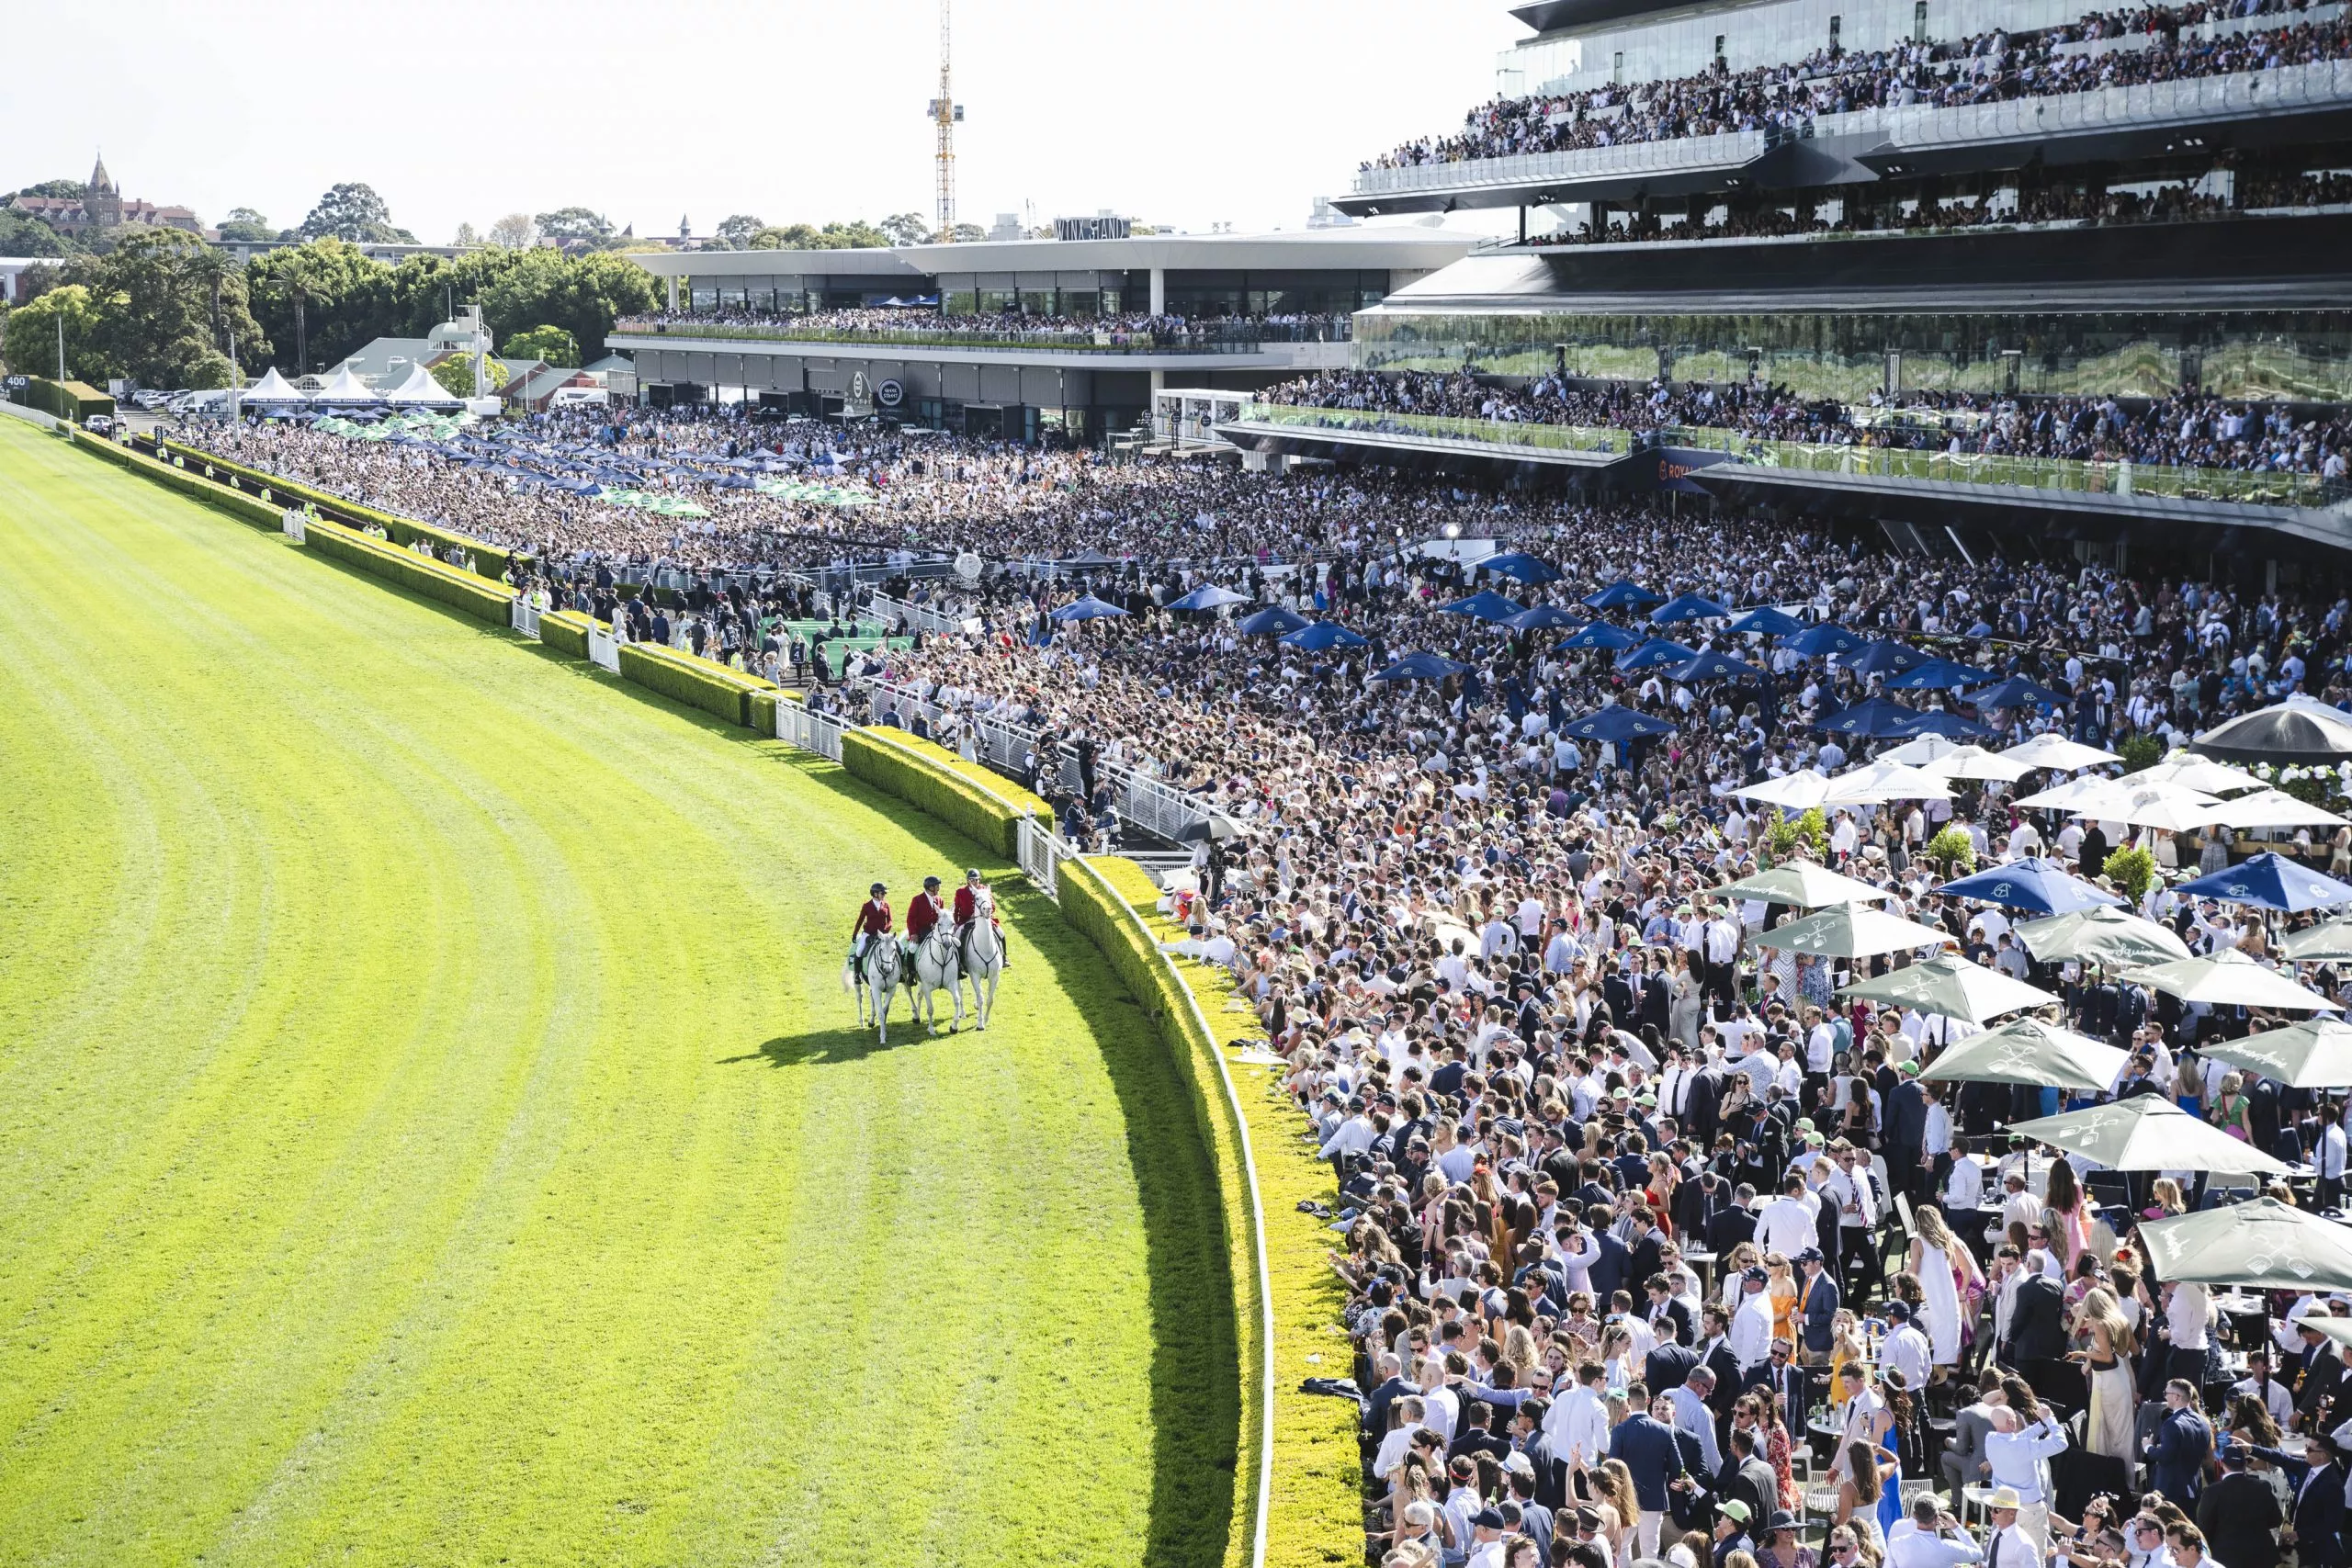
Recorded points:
(817, 732)
(524, 616)
(291, 522)
(920, 617)
(1041, 855)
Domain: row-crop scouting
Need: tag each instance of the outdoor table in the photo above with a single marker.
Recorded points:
(1704, 1262)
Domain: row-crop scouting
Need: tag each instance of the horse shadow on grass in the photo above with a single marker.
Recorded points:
(833, 1047)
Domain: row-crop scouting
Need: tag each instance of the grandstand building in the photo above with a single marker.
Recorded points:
(2007, 207)
(1017, 338)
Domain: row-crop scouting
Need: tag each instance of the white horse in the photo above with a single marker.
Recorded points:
(982, 954)
(877, 976)
(936, 968)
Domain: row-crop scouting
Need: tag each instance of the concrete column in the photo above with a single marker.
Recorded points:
(673, 292)
(1158, 290)
(1159, 380)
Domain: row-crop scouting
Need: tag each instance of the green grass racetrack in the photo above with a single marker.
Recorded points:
(432, 1130)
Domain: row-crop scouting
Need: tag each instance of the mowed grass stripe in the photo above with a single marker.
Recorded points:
(459, 1154)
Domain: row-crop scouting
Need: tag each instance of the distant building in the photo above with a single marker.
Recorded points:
(102, 207)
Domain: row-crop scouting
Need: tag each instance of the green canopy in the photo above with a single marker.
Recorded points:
(2229, 978)
(1955, 987)
(2029, 1050)
(2104, 935)
(2314, 1054)
(2148, 1132)
(1852, 931)
(2328, 943)
(2262, 1246)
(1804, 885)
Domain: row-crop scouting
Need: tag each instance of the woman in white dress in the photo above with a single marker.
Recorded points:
(2106, 1366)
(1938, 1258)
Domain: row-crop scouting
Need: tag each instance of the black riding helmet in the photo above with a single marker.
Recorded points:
(929, 883)
(877, 890)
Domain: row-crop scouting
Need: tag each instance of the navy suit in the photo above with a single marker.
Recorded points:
(1608, 1272)
(1649, 1450)
(2318, 1512)
(1669, 1366)
(1819, 1296)
(2176, 1455)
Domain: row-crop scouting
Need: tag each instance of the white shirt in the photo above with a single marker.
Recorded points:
(1917, 1548)
(1578, 1425)
(2015, 1458)
(1751, 1331)
(1908, 1352)
(1786, 1226)
(2188, 1317)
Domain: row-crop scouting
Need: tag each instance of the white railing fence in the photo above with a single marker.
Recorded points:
(291, 521)
(523, 615)
(895, 613)
(817, 732)
(1041, 855)
(605, 650)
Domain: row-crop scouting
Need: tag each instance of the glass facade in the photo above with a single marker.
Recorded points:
(1188, 293)
(1746, 37)
(2296, 355)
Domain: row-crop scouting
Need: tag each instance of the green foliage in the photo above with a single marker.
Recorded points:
(166, 304)
(566, 631)
(456, 375)
(2132, 871)
(30, 336)
(553, 344)
(490, 561)
(573, 225)
(857, 235)
(244, 223)
(906, 229)
(979, 804)
(341, 298)
(697, 682)
(1803, 837)
(735, 232)
(1952, 850)
(72, 401)
(2141, 751)
(405, 568)
(22, 235)
(209, 372)
(516, 231)
(70, 188)
(354, 211)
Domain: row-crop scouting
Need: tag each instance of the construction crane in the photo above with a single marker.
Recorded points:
(944, 113)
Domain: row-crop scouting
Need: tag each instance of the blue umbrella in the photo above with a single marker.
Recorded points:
(1688, 607)
(1601, 634)
(1951, 725)
(1623, 593)
(1087, 609)
(1657, 650)
(1617, 724)
(1543, 618)
(1272, 622)
(2269, 883)
(1767, 622)
(1521, 567)
(1827, 637)
(1938, 673)
(1713, 665)
(2043, 887)
(1878, 717)
(1208, 596)
(1486, 604)
(1881, 659)
(1320, 636)
(2017, 692)
(1421, 666)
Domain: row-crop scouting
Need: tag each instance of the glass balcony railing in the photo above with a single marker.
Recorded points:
(2249, 488)
(1239, 337)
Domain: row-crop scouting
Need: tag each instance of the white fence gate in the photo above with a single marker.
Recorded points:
(814, 732)
(1041, 855)
(605, 650)
(291, 522)
(524, 616)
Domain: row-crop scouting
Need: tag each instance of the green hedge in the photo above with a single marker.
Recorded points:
(247, 508)
(434, 580)
(72, 401)
(979, 803)
(764, 709)
(490, 561)
(1096, 910)
(697, 682)
(566, 631)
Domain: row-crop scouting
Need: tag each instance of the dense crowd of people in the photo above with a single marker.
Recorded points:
(1164, 329)
(1986, 68)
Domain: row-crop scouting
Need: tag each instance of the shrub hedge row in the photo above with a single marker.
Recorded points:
(566, 631)
(697, 682)
(490, 561)
(981, 804)
(246, 508)
(461, 590)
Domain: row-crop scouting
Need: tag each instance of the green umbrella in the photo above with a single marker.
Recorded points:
(2029, 1050)
(1804, 885)
(2229, 978)
(2104, 935)
(1955, 987)
(2314, 1054)
(2262, 1246)
(2148, 1132)
(1852, 931)
(2329, 944)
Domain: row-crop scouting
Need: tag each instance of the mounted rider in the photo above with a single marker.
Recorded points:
(967, 909)
(873, 921)
(924, 911)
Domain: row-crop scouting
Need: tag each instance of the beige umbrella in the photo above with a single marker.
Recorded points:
(2103, 935)
(1852, 931)
(1886, 780)
(1976, 762)
(2190, 770)
(1921, 750)
(2229, 978)
(2261, 1246)
(2029, 1050)
(2275, 808)
(2314, 1054)
(2148, 1132)
(2329, 944)
(1804, 885)
(2052, 749)
(1954, 988)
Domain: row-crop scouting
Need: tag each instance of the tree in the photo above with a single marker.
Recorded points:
(551, 344)
(520, 290)
(355, 212)
(2132, 871)
(465, 236)
(21, 234)
(516, 231)
(30, 337)
(244, 223)
(969, 233)
(456, 375)
(326, 299)
(1952, 850)
(735, 233)
(573, 226)
(72, 188)
(167, 303)
(906, 229)
(854, 235)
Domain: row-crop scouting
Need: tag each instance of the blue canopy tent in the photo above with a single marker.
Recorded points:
(1766, 622)
(1657, 650)
(1208, 596)
(2043, 887)
(2267, 882)
(1322, 635)
(1714, 666)
(1827, 638)
(1421, 666)
(1486, 606)
(1543, 618)
(1521, 567)
(1617, 724)
(1939, 674)
(1881, 659)
(1877, 718)
(1272, 622)
(1688, 607)
(1951, 725)
(1601, 634)
(1087, 609)
(1622, 595)
(2017, 692)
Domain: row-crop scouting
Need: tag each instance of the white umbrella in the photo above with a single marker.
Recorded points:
(2229, 978)
(1800, 791)
(1804, 885)
(2148, 1132)
(1888, 780)
(1852, 931)
(2102, 935)
(2029, 1050)
(2190, 770)
(1923, 749)
(2070, 795)
(2052, 749)
(2275, 808)
(1976, 762)
(1954, 988)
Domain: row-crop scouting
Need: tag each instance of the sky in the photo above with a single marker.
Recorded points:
(1184, 116)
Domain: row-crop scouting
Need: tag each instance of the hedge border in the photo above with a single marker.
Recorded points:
(698, 683)
(245, 508)
(936, 781)
(566, 631)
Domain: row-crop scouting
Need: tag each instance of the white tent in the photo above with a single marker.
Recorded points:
(347, 388)
(274, 388)
(421, 390)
